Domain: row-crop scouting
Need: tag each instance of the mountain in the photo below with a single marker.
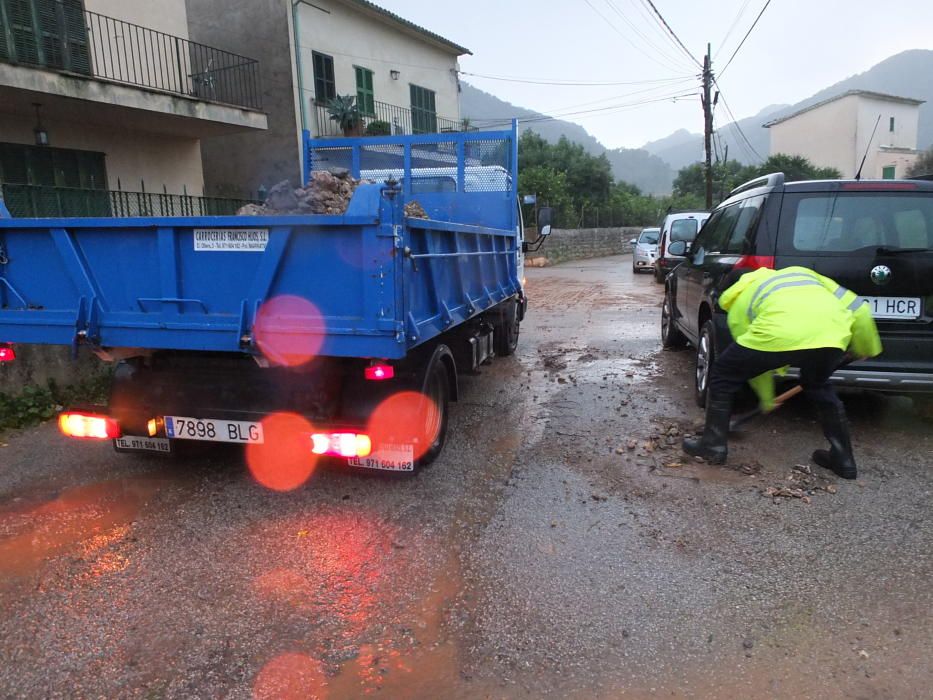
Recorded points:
(638, 167)
(907, 74)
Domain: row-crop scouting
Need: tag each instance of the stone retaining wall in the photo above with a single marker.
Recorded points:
(578, 244)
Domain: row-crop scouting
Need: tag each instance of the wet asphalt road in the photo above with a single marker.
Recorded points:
(561, 547)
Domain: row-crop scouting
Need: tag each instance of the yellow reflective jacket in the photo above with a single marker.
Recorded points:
(796, 309)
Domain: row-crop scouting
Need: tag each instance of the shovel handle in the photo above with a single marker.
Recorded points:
(789, 394)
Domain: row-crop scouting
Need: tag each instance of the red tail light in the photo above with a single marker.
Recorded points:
(7, 353)
(379, 373)
(755, 262)
(88, 426)
(341, 445)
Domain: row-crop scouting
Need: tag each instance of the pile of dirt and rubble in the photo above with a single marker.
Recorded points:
(326, 193)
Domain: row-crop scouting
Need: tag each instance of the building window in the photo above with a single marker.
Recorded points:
(52, 167)
(46, 33)
(888, 172)
(891, 125)
(325, 88)
(365, 97)
(423, 110)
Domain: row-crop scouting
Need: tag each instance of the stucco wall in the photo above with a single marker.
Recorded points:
(237, 165)
(905, 134)
(168, 16)
(354, 39)
(826, 136)
(158, 159)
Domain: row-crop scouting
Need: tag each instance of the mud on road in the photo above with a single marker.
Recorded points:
(561, 547)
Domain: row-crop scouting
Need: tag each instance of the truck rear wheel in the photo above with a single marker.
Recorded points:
(507, 329)
(435, 417)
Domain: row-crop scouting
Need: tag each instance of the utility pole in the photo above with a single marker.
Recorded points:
(708, 124)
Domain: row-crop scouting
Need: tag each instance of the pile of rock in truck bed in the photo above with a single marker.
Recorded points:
(327, 192)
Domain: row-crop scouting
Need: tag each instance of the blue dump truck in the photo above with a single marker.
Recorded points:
(299, 337)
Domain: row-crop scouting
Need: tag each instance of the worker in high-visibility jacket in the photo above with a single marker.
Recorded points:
(779, 318)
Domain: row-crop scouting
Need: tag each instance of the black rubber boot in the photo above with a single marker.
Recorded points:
(712, 447)
(838, 458)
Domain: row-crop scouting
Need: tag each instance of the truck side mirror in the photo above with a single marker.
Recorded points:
(545, 217)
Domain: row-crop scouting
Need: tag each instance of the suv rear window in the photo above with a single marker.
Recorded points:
(684, 230)
(841, 222)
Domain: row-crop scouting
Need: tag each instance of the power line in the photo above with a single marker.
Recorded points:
(676, 60)
(571, 83)
(681, 82)
(618, 31)
(591, 112)
(767, 2)
(735, 23)
(676, 38)
(735, 124)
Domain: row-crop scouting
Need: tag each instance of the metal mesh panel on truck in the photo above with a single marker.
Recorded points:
(331, 158)
(434, 167)
(488, 163)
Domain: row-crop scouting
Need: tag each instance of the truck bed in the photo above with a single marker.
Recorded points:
(378, 283)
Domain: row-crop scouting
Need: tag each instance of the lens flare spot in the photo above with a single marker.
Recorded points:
(284, 461)
(406, 418)
(291, 677)
(289, 330)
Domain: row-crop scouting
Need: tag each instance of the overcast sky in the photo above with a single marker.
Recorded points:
(798, 48)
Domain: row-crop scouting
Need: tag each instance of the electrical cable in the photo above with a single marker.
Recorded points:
(676, 38)
(735, 124)
(741, 43)
(618, 31)
(571, 83)
(676, 60)
(732, 27)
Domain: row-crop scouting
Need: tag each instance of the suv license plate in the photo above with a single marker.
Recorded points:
(213, 430)
(895, 307)
(138, 443)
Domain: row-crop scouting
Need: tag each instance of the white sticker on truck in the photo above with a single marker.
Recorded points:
(242, 240)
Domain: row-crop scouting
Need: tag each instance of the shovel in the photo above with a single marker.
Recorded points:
(739, 421)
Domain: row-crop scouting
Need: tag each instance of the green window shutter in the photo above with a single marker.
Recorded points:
(325, 87)
(76, 46)
(365, 96)
(22, 30)
(423, 110)
(6, 36)
(888, 172)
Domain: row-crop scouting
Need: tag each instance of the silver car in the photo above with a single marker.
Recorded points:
(645, 252)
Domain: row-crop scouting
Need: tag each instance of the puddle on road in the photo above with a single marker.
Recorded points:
(85, 518)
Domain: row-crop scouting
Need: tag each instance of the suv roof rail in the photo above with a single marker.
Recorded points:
(928, 177)
(772, 180)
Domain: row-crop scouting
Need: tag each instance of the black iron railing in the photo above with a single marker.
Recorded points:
(38, 201)
(103, 47)
(385, 120)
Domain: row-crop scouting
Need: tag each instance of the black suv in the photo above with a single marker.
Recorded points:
(873, 237)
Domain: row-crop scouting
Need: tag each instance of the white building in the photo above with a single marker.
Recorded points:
(403, 76)
(101, 96)
(838, 133)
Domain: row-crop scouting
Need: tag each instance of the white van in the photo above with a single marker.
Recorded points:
(679, 226)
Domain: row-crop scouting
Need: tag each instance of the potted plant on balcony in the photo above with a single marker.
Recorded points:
(379, 128)
(344, 110)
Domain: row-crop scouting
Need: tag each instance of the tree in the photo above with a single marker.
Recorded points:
(923, 165)
(728, 175)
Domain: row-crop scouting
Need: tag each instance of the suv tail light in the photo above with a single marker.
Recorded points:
(755, 262)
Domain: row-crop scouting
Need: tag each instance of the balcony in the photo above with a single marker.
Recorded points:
(90, 44)
(91, 68)
(387, 119)
(38, 201)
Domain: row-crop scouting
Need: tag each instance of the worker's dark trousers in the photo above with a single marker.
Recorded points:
(737, 364)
